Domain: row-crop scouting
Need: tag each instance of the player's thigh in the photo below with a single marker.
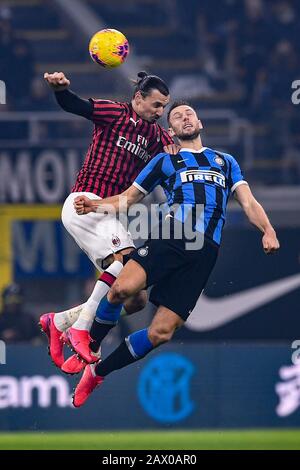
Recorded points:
(180, 291)
(98, 235)
(159, 258)
(81, 227)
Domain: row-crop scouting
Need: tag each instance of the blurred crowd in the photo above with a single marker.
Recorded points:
(250, 45)
(16, 325)
(25, 90)
(249, 51)
(245, 52)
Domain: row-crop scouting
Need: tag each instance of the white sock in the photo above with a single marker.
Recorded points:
(92, 366)
(63, 320)
(98, 353)
(101, 288)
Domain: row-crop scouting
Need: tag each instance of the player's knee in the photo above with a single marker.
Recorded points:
(119, 292)
(160, 335)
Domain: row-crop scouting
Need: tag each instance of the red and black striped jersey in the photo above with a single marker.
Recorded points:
(122, 145)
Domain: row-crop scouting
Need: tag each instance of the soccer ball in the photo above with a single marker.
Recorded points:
(109, 48)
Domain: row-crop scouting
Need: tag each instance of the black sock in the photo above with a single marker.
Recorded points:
(98, 333)
(119, 358)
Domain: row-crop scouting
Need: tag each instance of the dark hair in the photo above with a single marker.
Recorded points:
(175, 105)
(146, 83)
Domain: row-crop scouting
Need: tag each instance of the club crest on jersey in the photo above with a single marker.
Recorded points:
(143, 251)
(116, 241)
(203, 175)
(219, 161)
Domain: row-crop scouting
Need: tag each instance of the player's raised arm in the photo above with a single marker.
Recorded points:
(119, 203)
(257, 216)
(66, 99)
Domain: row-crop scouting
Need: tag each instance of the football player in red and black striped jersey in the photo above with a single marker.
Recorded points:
(125, 138)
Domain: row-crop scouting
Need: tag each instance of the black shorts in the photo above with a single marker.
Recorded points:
(178, 275)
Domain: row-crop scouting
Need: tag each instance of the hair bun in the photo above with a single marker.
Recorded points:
(142, 75)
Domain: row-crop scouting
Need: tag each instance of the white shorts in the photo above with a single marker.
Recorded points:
(98, 235)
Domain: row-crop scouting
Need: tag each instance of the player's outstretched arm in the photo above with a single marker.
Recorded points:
(66, 99)
(257, 216)
(119, 203)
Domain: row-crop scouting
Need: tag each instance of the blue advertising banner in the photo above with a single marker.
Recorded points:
(44, 249)
(179, 386)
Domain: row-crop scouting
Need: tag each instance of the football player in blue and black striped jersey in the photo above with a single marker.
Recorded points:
(197, 182)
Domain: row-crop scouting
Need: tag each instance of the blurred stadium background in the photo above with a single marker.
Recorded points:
(231, 367)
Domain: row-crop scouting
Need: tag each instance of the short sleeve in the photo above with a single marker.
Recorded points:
(151, 176)
(236, 177)
(105, 111)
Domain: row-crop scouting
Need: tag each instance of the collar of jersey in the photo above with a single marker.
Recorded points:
(192, 150)
(134, 114)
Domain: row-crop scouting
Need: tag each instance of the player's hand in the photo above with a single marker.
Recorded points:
(57, 81)
(172, 149)
(83, 205)
(270, 242)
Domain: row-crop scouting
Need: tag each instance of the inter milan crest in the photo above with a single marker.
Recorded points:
(164, 387)
(219, 161)
(143, 251)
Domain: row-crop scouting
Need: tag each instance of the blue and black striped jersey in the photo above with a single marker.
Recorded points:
(191, 178)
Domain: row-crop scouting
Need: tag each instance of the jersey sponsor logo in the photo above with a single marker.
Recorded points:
(203, 175)
(220, 311)
(135, 148)
(184, 160)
